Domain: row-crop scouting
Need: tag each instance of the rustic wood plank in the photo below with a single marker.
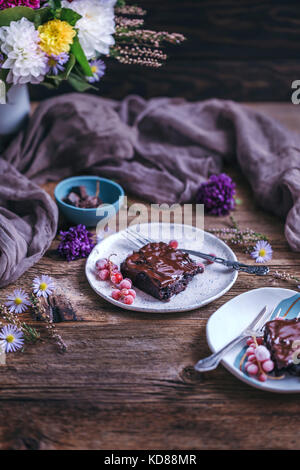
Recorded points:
(245, 50)
(127, 380)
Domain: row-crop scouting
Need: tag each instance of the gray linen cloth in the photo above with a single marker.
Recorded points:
(160, 150)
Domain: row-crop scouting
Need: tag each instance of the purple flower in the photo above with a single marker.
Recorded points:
(19, 3)
(98, 68)
(217, 195)
(75, 243)
(56, 63)
(262, 251)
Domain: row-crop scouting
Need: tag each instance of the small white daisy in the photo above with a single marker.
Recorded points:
(262, 252)
(43, 286)
(11, 338)
(18, 301)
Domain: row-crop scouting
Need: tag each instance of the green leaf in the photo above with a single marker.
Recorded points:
(42, 16)
(81, 58)
(16, 14)
(54, 4)
(70, 16)
(79, 83)
(3, 74)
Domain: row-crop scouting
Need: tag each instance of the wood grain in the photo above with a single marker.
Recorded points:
(127, 380)
(245, 50)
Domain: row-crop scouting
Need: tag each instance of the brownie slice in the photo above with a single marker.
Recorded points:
(160, 270)
(280, 336)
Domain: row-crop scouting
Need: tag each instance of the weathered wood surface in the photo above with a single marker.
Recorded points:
(127, 381)
(246, 50)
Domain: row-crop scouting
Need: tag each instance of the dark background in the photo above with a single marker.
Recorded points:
(244, 50)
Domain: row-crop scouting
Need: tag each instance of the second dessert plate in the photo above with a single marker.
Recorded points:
(231, 319)
(203, 289)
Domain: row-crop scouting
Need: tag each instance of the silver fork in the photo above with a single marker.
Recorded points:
(139, 240)
(255, 328)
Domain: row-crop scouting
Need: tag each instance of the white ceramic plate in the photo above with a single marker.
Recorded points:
(203, 289)
(230, 319)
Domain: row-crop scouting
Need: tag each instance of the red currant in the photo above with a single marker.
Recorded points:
(173, 244)
(128, 300)
(126, 284)
(116, 278)
(101, 264)
(116, 294)
(201, 266)
(208, 261)
(132, 292)
(124, 292)
(103, 274)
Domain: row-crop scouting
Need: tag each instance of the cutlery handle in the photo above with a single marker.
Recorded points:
(250, 269)
(212, 362)
(257, 270)
(253, 269)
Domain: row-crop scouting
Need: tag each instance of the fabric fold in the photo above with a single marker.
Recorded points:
(160, 150)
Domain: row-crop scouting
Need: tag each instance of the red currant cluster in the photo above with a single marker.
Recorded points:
(123, 291)
(259, 361)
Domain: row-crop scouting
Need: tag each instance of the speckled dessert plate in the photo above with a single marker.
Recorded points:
(231, 319)
(203, 289)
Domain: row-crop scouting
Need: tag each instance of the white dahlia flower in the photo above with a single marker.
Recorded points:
(25, 59)
(97, 25)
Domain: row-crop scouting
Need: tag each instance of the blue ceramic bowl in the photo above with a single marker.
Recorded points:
(110, 193)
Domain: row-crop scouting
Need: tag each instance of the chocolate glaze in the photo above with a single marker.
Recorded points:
(279, 336)
(160, 270)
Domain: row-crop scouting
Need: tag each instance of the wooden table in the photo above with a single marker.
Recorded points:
(127, 380)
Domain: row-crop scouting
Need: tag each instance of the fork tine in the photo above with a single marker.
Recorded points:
(253, 324)
(131, 239)
(139, 237)
(261, 323)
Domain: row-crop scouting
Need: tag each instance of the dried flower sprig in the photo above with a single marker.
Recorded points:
(140, 55)
(147, 36)
(245, 239)
(31, 335)
(123, 22)
(284, 276)
(129, 10)
(136, 45)
(41, 312)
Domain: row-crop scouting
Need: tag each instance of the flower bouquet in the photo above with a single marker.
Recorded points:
(49, 42)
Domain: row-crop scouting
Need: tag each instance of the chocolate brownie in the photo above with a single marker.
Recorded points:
(160, 270)
(280, 337)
